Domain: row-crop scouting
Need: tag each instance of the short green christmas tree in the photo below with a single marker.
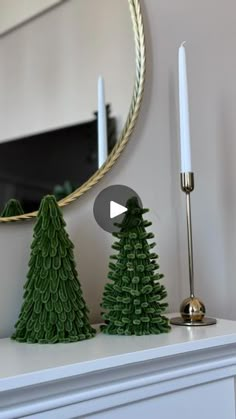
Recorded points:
(133, 301)
(62, 191)
(13, 207)
(53, 309)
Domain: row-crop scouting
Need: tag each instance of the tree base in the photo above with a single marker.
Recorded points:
(55, 339)
(132, 330)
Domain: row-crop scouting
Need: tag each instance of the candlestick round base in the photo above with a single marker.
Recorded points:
(192, 312)
(178, 321)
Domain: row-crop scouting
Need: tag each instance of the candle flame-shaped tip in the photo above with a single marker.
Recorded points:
(183, 44)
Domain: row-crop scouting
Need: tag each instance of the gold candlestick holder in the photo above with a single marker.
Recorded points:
(192, 309)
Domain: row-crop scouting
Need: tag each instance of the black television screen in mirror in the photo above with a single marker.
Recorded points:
(53, 162)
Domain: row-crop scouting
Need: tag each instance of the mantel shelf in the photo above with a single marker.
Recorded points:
(105, 359)
(39, 363)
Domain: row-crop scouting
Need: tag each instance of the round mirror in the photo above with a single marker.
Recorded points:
(71, 83)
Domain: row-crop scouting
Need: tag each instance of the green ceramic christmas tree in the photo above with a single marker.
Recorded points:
(12, 208)
(53, 309)
(133, 301)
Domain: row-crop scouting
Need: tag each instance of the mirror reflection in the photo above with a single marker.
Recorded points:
(49, 109)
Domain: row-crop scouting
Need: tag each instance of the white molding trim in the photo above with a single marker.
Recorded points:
(66, 389)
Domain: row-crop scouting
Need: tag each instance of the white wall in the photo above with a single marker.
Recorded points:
(150, 164)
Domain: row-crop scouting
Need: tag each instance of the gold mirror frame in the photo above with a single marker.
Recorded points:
(137, 22)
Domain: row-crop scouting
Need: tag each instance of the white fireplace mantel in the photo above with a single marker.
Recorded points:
(113, 377)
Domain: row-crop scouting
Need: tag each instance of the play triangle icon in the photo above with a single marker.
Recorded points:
(116, 209)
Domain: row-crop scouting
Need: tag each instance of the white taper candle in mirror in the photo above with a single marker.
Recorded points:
(102, 123)
(185, 147)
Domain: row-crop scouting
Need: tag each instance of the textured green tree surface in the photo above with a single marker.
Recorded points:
(133, 301)
(53, 309)
(12, 207)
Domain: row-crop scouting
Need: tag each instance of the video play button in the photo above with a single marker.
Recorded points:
(110, 206)
(116, 209)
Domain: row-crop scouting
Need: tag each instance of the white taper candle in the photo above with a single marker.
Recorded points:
(102, 123)
(185, 147)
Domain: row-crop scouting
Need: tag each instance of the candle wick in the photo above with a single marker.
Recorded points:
(183, 43)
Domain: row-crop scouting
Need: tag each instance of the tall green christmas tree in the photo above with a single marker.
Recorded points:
(13, 207)
(53, 309)
(133, 300)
